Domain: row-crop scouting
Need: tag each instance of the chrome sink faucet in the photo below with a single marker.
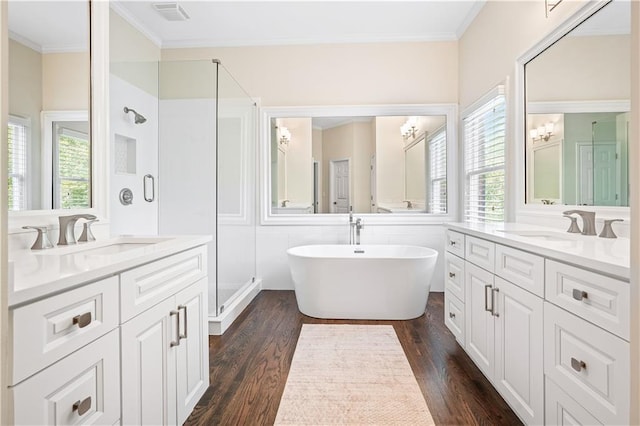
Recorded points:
(359, 225)
(67, 233)
(588, 220)
(284, 203)
(409, 203)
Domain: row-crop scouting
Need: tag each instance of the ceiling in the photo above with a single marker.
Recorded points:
(251, 23)
(61, 26)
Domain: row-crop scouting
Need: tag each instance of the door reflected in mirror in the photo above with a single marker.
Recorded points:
(363, 164)
(577, 123)
(49, 142)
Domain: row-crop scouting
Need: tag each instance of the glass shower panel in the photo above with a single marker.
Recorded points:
(236, 238)
(187, 154)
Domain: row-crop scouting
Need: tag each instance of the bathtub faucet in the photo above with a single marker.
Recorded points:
(357, 225)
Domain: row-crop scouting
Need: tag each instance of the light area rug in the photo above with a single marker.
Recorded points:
(351, 375)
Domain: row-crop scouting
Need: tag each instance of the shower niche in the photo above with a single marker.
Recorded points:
(124, 155)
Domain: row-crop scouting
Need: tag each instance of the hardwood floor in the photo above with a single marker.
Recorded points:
(250, 363)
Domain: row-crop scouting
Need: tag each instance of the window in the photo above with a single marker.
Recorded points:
(484, 149)
(18, 143)
(72, 168)
(438, 172)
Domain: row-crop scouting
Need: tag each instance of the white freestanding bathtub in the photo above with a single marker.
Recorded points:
(374, 282)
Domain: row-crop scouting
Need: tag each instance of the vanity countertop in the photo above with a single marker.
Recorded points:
(609, 256)
(35, 274)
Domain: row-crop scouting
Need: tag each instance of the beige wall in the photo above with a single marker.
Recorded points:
(133, 57)
(634, 197)
(316, 152)
(362, 152)
(389, 160)
(573, 70)
(502, 32)
(65, 81)
(298, 158)
(376, 73)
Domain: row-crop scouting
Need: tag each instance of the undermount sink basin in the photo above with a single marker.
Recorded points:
(541, 235)
(104, 248)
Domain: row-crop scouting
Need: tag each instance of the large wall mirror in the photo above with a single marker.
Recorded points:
(50, 149)
(365, 160)
(577, 93)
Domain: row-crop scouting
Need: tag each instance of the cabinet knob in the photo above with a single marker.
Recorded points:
(452, 243)
(452, 275)
(82, 320)
(579, 294)
(578, 365)
(82, 406)
(452, 315)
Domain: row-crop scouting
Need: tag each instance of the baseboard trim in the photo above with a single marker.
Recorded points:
(219, 324)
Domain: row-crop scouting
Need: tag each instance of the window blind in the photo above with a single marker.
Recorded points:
(17, 171)
(484, 151)
(72, 170)
(438, 172)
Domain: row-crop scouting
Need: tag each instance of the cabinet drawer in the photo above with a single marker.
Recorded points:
(480, 252)
(454, 275)
(523, 269)
(601, 300)
(145, 286)
(454, 316)
(588, 363)
(455, 243)
(47, 330)
(561, 409)
(90, 375)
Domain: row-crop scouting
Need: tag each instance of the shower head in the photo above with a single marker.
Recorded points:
(139, 118)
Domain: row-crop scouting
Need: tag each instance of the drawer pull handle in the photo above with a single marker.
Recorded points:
(578, 365)
(82, 320)
(452, 315)
(452, 275)
(493, 302)
(82, 406)
(486, 299)
(579, 294)
(184, 335)
(178, 335)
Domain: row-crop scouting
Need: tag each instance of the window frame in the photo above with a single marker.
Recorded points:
(484, 102)
(25, 178)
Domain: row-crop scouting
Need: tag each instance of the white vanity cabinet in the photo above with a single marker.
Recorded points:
(503, 331)
(66, 357)
(130, 347)
(517, 303)
(166, 345)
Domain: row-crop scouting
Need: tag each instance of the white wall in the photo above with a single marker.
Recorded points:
(141, 217)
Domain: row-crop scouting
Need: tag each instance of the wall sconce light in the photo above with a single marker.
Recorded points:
(542, 133)
(285, 136)
(549, 5)
(409, 128)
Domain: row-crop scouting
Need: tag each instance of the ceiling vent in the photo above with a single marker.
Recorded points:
(171, 11)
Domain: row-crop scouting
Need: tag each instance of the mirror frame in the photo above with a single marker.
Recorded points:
(520, 120)
(269, 113)
(99, 119)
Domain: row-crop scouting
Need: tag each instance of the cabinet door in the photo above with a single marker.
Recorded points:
(193, 351)
(148, 367)
(519, 371)
(479, 327)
